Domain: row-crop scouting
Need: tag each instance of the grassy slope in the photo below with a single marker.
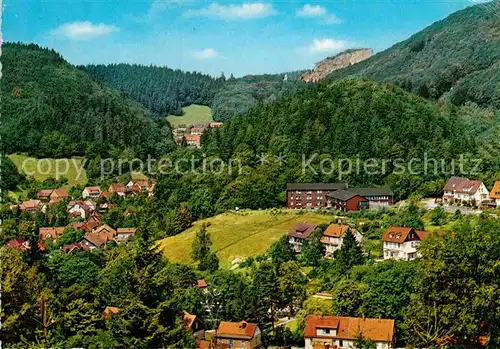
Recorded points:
(243, 234)
(44, 173)
(193, 114)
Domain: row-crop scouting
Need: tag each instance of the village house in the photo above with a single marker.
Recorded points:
(194, 324)
(347, 200)
(238, 335)
(193, 140)
(69, 248)
(215, 124)
(141, 187)
(53, 233)
(322, 332)
(44, 195)
(198, 129)
(118, 189)
(91, 203)
(495, 194)
(123, 234)
(99, 237)
(78, 209)
(377, 197)
(18, 244)
(109, 312)
(32, 206)
(460, 190)
(299, 233)
(58, 195)
(332, 237)
(91, 192)
(310, 195)
(201, 284)
(401, 243)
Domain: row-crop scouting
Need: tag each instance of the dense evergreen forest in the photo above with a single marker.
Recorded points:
(165, 91)
(456, 57)
(50, 108)
(162, 90)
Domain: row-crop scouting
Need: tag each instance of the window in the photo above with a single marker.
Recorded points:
(341, 343)
(319, 192)
(230, 342)
(327, 331)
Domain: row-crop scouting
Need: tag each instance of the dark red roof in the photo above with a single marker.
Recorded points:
(462, 185)
(302, 230)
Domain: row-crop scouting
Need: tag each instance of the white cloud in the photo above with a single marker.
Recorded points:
(245, 11)
(83, 30)
(332, 19)
(317, 11)
(206, 53)
(312, 11)
(327, 45)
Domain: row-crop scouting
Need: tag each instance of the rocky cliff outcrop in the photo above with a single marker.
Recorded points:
(330, 64)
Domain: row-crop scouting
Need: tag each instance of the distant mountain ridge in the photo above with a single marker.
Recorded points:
(457, 57)
(339, 61)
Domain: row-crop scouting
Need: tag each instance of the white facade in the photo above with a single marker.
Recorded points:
(296, 243)
(340, 343)
(481, 194)
(86, 194)
(333, 244)
(78, 209)
(406, 251)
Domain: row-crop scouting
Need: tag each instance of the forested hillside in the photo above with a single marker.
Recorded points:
(459, 54)
(165, 91)
(240, 95)
(162, 90)
(52, 109)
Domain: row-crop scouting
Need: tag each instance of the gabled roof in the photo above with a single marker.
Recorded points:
(400, 234)
(495, 191)
(45, 193)
(336, 230)
(18, 244)
(462, 185)
(316, 186)
(60, 192)
(302, 230)
(50, 232)
(201, 283)
(350, 328)
(117, 188)
(104, 229)
(29, 204)
(93, 190)
(344, 195)
(72, 247)
(188, 319)
(110, 311)
(237, 330)
(80, 203)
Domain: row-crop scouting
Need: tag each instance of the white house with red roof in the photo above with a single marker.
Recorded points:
(79, 209)
(401, 243)
(240, 335)
(332, 237)
(463, 190)
(91, 192)
(343, 332)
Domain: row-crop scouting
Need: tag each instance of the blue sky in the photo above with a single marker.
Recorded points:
(240, 37)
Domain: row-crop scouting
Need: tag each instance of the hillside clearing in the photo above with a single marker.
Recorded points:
(41, 169)
(193, 114)
(239, 234)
